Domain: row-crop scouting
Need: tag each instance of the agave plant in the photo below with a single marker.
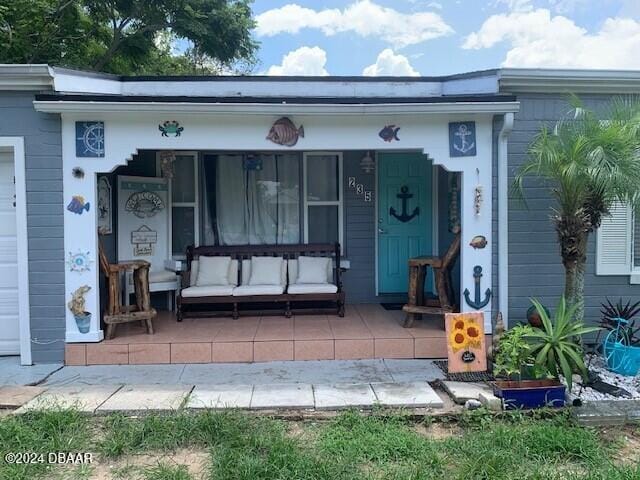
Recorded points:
(556, 346)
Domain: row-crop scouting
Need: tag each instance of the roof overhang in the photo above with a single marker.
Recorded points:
(534, 80)
(25, 77)
(276, 106)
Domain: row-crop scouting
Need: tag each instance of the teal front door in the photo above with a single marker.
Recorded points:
(404, 216)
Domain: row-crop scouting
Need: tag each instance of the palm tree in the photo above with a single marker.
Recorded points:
(589, 162)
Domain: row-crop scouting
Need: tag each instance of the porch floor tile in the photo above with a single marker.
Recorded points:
(366, 331)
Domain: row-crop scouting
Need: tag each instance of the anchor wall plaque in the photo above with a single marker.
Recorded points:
(462, 139)
(404, 217)
(477, 303)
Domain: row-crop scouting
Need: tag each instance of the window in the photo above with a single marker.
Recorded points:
(615, 249)
(184, 204)
(323, 198)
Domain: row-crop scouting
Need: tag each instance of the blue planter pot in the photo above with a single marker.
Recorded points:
(83, 322)
(530, 393)
(622, 359)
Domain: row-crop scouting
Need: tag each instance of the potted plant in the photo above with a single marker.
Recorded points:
(621, 346)
(77, 307)
(555, 349)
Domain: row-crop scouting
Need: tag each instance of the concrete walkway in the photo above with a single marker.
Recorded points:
(328, 385)
(12, 373)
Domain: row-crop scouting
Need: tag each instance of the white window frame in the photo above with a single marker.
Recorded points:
(339, 203)
(195, 204)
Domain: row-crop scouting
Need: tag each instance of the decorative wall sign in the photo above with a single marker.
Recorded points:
(77, 205)
(78, 173)
(143, 241)
(462, 139)
(89, 139)
(466, 349)
(284, 132)
(79, 262)
(77, 308)
(170, 127)
(404, 217)
(389, 133)
(104, 206)
(144, 204)
(477, 303)
(478, 242)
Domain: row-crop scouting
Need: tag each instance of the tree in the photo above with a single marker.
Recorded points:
(589, 161)
(129, 36)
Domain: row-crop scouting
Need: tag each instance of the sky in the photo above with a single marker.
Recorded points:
(426, 37)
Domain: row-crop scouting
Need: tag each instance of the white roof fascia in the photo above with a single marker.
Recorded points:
(471, 86)
(534, 80)
(74, 81)
(25, 77)
(56, 106)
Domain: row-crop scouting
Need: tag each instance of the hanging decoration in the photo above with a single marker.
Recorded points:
(143, 241)
(367, 164)
(477, 196)
(104, 206)
(478, 242)
(77, 205)
(170, 127)
(466, 349)
(167, 159)
(477, 302)
(454, 191)
(462, 139)
(77, 308)
(144, 204)
(404, 217)
(79, 262)
(284, 132)
(389, 133)
(78, 173)
(89, 139)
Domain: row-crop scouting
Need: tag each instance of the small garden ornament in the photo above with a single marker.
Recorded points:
(77, 307)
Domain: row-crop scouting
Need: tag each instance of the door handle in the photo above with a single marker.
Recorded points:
(381, 230)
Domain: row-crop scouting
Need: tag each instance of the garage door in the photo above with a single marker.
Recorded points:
(9, 323)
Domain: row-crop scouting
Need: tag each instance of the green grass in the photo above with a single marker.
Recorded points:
(381, 445)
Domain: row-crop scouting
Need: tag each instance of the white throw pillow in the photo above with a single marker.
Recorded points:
(313, 269)
(213, 271)
(266, 271)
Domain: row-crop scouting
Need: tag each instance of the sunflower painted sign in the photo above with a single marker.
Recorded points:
(466, 348)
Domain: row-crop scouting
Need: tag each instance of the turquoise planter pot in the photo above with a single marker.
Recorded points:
(83, 322)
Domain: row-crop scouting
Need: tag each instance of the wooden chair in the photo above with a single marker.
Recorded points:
(441, 266)
(116, 312)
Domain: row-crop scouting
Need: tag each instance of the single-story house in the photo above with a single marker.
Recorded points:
(389, 168)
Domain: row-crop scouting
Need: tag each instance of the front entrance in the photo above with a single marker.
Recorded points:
(9, 323)
(404, 216)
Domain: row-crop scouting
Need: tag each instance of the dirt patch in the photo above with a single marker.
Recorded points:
(626, 441)
(437, 431)
(130, 467)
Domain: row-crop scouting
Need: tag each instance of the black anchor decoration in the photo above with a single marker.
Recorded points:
(404, 195)
(476, 303)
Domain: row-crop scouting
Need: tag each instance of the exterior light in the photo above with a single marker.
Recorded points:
(367, 164)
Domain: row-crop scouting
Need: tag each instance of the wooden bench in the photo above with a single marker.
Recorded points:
(285, 303)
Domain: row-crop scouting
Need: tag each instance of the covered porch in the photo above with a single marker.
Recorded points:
(367, 331)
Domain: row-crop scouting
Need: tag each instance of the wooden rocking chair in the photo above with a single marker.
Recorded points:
(116, 312)
(441, 266)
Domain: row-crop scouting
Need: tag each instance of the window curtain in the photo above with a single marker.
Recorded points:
(257, 200)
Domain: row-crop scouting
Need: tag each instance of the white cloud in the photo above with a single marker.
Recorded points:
(303, 61)
(390, 64)
(559, 6)
(538, 39)
(362, 17)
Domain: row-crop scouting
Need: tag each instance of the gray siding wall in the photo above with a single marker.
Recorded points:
(535, 269)
(45, 205)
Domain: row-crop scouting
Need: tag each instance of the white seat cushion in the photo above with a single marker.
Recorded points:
(302, 288)
(208, 291)
(312, 269)
(246, 290)
(266, 271)
(158, 276)
(246, 272)
(213, 271)
(233, 272)
(292, 266)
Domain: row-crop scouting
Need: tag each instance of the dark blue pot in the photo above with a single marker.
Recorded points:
(530, 393)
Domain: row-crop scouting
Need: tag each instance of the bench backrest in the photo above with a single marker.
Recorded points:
(288, 252)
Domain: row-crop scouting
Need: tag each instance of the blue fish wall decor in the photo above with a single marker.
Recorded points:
(77, 205)
(389, 133)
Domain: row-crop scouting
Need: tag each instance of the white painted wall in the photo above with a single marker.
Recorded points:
(127, 133)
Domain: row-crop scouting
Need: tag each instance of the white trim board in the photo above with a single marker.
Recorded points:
(16, 144)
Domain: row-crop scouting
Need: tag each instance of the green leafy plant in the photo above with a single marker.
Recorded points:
(557, 346)
(513, 352)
